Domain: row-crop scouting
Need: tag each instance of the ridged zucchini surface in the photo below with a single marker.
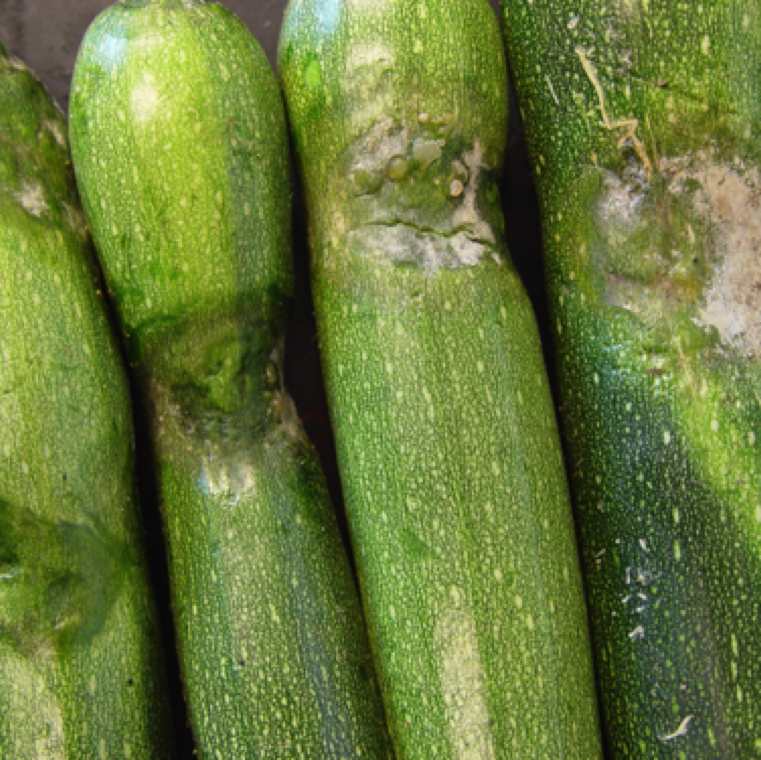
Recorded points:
(180, 147)
(81, 663)
(446, 435)
(644, 126)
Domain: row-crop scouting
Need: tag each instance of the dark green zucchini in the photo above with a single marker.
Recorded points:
(644, 126)
(81, 666)
(180, 147)
(446, 435)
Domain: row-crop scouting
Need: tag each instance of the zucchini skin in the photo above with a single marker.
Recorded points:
(81, 662)
(180, 147)
(446, 436)
(643, 126)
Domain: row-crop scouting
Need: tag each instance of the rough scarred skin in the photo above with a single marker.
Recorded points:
(81, 670)
(644, 126)
(180, 148)
(446, 435)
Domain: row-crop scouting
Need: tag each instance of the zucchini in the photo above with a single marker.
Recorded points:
(180, 148)
(447, 440)
(81, 666)
(644, 126)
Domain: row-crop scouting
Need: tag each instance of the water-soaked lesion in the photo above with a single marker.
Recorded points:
(421, 195)
(680, 249)
(58, 580)
(216, 389)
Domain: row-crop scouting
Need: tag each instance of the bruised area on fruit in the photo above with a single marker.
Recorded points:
(58, 580)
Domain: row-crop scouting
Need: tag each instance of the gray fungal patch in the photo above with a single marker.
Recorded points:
(686, 240)
(404, 244)
(621, 200)
(32, 198)
(467, 213)
(732, 302)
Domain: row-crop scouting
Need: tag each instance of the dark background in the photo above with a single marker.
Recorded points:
(46, 34)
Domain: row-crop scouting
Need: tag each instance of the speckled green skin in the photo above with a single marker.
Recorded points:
(661, 401)
(180, 148)
(81, 671)
(446, 435)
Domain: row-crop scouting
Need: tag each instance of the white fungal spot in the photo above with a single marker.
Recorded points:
(401, 243)
(32, 198)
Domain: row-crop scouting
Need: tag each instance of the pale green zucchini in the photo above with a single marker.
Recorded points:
(81, 663)
(644, 125)
(180, 147)
(446, 435)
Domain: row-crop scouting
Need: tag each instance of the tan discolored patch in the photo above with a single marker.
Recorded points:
(688, 240)
(732, 302)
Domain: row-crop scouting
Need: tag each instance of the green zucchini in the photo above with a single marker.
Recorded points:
(81, 666)
(447, 440)
(180, 148)
(644, 126)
